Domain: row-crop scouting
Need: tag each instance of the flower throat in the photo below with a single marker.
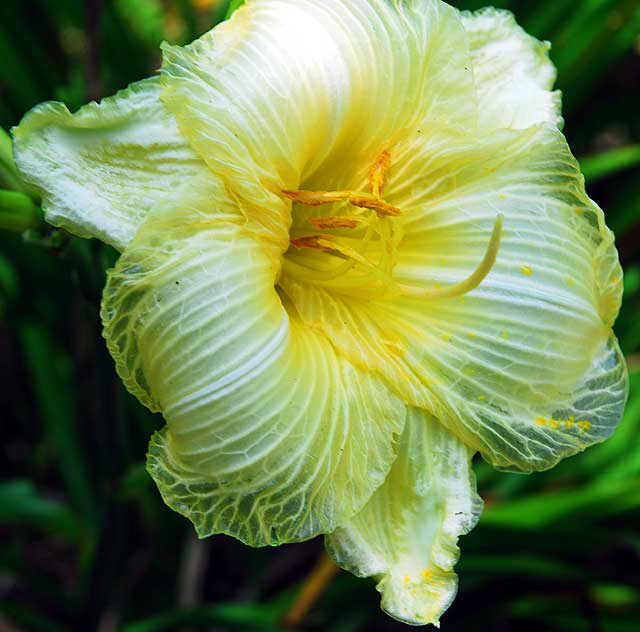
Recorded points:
(374, 248)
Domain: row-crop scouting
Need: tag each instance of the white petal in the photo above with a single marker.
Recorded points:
(271, 435)
(406, 535)
(513, 73)
(103, 168)
(524, 368)
(300, 94)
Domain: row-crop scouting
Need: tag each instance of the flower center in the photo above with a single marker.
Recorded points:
(356, 250)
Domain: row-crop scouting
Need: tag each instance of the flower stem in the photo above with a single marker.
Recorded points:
(8, 173)
(315, 584)
(18, 212)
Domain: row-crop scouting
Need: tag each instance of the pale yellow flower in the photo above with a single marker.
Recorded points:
(356, 250)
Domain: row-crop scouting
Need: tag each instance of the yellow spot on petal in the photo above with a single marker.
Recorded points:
(413, 591)
(502, 196)
(406, 579)
(541, 421)
(570, 282)
(505, 334)
(526, 270)
(614, 280)
(446, 337)
(472, 334)
(426, 573)
(553, 422)
(583, 424)
(482, 397)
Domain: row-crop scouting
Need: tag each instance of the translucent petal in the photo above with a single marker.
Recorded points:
(513, 73)
(293, 93)
(406, 535)
(103, 168)
(271, 435)
(524, 368)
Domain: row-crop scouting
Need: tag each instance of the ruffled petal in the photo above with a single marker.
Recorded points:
(513, 73)
(524, 368)
(293, 94)
(406, 535)
(103, 168)
(271, 436)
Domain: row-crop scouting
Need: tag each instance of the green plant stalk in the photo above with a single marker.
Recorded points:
(18, 212)
(8, 173)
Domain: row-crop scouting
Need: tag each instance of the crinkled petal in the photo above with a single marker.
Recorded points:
(406, 535)
(271, 436)
(524, 368)
(102, 169)
(513, 73)
(295, 94)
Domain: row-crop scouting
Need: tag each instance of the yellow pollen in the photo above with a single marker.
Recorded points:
(426, 573)
(482, 397)
(406, 579)
(472, 334)
(505, 334)
(583, 424)
(526, 270)
(502, 196)
(541, 421)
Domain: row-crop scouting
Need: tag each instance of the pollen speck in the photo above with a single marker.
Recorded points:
(583, 424)
(426, 573)
(526, 270)
(482, 397)
(570, 282)
(502, 196)
(505, 334)
(541, 421)
(446, 337)
(406, 579)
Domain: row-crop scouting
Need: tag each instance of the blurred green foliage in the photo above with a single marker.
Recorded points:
(87, 543)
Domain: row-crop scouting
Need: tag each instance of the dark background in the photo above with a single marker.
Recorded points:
(87, 545)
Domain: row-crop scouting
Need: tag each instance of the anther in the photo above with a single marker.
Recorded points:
(378, 172)
(361, 200)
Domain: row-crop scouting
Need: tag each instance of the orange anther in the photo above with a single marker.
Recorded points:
(333, 222)
(312, 241)
(378, 172)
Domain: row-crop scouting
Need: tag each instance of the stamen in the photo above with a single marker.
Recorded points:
(311, 241)
(362, 200)
(323, 223)
(356, 256)
(473, 280)
(378, 172)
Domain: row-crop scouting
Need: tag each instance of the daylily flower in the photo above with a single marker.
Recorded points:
(356, 250)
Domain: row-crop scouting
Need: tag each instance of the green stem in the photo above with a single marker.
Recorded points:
(8, 172)
(18, 212)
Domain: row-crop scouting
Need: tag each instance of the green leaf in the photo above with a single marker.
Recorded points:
(21, 504)
(609, 163)
(233, 6)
